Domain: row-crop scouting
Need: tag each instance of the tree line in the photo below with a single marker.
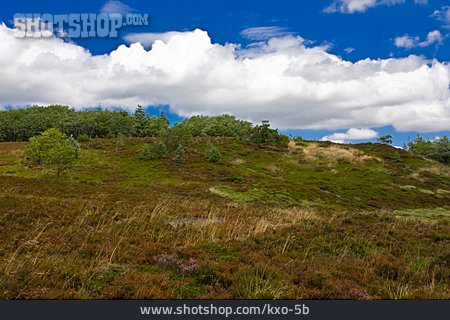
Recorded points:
(22, 124)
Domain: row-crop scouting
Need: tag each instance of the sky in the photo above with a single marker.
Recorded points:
(345, 70)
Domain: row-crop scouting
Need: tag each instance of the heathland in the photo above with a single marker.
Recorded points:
(225, 217)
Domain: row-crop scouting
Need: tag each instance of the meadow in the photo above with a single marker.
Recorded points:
(297, 220)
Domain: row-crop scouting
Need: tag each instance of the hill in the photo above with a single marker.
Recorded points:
(283, 220)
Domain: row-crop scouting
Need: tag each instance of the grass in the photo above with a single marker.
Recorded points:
(264, 222)
(436, 214)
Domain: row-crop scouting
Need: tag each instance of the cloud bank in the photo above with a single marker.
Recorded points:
(283, 80)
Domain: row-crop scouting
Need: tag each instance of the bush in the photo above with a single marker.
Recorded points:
(176, 136)
(258, 283)
(438, 149)
(120, 140)
(83, 138)
(441, 150)
(110, 135)
(52, 149)
(179, 154)
(387, 139)
(396, 157)
(219, 126)
(158, 151)
(213, 154)
(264, 134)
(146, 153)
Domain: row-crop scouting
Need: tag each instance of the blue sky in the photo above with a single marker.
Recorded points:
(378, 31)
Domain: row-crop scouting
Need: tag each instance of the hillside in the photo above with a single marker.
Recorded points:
(284, 220)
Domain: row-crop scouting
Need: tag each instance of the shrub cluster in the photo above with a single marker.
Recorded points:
(438, 149)
(53, 150)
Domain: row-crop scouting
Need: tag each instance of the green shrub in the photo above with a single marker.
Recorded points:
(120, 140)
(213, 154)
(218, 126)
(258, 283)
(146, 152)
(264, 134)
(387, 139)
(176, 136)
(396, 157)
(52, 149)
(179, 154)
(83, 138)
(158, 151)
(438, 149)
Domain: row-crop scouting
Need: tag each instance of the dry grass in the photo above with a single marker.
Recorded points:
(330, 154)
(438, 169)
(334, 154)
(238, 161)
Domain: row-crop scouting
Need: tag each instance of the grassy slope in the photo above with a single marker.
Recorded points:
(312, 220)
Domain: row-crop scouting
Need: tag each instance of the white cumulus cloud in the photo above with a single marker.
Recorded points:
(282, 80)
(147, 39)
(351, 134)
(433, 37)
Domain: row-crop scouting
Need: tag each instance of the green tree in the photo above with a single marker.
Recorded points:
(146, 152)
(264, 134)
(213, 154)
(441, 150)
(52, 149)
(163, 121)
(420, 146)
(219, 126)
(140, 124)
(387, 139)
(120, 140)
(179, 154)
(438, 149)
(175, 136)
(158, 151)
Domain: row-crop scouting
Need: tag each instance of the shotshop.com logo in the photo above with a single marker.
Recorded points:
(74, 25)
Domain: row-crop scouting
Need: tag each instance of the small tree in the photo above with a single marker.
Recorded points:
(146, 153)
(159, 150)
(387, 139)
(120, 140)
(264, 134)
(213, 154)
(175, 136)
(441, 150)
(179, 154)
(83, 138)
(397, 157)
(52, 149)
